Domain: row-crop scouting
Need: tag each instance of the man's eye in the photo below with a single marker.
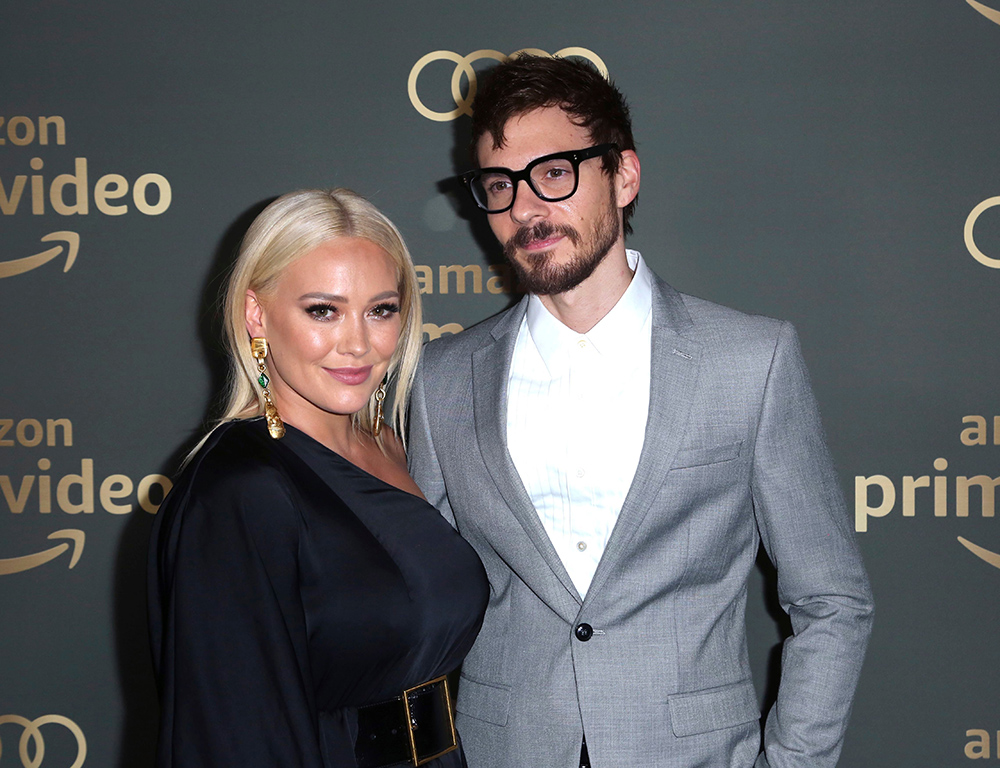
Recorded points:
(498, 186)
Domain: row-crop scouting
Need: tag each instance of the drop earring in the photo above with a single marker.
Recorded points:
(379, 420)
(275, 427)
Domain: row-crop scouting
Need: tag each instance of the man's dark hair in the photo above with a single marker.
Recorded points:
(525, 83)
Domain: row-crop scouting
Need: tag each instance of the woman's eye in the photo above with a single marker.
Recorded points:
(322, 311)
(385, 310)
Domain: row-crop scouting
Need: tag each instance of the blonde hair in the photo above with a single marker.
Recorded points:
(289, 228)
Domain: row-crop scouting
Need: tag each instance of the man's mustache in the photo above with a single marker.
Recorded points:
(527, 235)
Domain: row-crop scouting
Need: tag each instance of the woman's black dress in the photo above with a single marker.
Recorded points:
(287, 587)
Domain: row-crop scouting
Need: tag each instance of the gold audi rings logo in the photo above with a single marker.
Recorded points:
(970, 226)
(463, 67)
(32, 735)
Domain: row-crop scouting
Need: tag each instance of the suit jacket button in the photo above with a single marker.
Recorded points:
(584, 632)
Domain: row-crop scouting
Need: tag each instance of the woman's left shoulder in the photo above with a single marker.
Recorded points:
(394, 449)
(389, 464)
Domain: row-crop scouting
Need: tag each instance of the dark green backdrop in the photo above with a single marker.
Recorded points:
(817, 162)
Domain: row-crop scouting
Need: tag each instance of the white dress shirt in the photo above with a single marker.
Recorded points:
(576, 418)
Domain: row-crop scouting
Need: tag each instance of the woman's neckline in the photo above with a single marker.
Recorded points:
(314, 444)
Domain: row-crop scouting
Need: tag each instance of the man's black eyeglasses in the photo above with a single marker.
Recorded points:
(553, 178)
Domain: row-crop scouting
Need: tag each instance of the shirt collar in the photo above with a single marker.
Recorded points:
(617, 332)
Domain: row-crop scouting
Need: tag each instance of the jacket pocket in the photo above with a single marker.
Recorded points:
(713, 709)
(699, 457)
(483, 701)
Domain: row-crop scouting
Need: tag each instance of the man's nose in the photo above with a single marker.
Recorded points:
(527, 205)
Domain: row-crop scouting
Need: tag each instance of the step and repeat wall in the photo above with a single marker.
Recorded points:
(834, 164)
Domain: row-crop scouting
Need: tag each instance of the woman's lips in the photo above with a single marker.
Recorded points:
(351, 376)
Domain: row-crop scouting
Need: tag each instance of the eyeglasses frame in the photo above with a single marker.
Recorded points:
(575, 156)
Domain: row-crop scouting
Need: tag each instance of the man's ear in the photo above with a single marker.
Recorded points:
(627, 178)
(254, 313)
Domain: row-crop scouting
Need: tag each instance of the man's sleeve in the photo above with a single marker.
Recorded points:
(822, 585)
(422, 455)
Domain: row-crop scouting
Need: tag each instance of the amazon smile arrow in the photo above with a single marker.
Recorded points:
(27, 562)
(28, 263)
(981, 552)
(988, 12)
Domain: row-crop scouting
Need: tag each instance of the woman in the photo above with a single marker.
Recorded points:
(305, 601)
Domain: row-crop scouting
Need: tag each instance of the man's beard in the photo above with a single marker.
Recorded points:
(538, 274)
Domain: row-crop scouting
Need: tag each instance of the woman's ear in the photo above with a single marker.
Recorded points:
(254, 313)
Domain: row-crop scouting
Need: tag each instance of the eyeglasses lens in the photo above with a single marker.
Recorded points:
(551, 180)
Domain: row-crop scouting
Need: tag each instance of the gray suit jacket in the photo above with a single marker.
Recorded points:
(733, 455)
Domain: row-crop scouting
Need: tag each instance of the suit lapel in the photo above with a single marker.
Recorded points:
(490, 371)
(673, 377)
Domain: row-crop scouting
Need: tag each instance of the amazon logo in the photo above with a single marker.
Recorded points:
(72, 192)
(930, 497)
(74, 492)
(939, 495)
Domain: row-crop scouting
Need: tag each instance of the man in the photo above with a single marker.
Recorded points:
(616, 452)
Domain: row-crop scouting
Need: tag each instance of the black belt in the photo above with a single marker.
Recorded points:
(411, 729)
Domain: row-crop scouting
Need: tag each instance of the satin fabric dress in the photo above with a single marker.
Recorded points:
(287, 587)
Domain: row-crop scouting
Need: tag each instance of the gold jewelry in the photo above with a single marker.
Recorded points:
(379, 397)
(275, 427)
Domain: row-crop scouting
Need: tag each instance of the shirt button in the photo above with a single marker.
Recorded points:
(582, 343)
(581, 545)
(581, 472)
(584, 632)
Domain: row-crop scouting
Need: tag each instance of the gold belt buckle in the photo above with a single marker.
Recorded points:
(409, 720)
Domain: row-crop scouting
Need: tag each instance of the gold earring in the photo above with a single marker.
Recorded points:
(379, 397)
(275, 427)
